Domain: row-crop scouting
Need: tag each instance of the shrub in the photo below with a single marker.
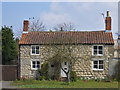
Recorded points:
(73, 76)
(53, 77)
(43, 72)
(23, 78)
(83, 78)
(97, 79)
(42, 78)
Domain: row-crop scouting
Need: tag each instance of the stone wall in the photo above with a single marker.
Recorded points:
(83, 66)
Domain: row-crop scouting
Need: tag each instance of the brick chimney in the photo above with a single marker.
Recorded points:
(26, 26)
(108, 22)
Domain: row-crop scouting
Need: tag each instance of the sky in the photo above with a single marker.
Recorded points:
(86, 16)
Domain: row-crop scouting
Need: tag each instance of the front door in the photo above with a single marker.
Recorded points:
(65, 67)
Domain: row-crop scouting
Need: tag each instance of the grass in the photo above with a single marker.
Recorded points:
(58, 84)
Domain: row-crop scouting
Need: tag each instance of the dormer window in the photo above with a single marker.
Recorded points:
(35, 50)
(98, 50)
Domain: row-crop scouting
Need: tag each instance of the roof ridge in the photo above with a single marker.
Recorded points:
(61, 31)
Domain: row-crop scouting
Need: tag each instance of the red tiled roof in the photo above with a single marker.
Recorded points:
(94, 37)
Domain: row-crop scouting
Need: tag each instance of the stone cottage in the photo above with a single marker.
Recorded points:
(97, 47)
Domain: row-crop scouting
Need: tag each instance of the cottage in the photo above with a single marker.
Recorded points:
(97, 47)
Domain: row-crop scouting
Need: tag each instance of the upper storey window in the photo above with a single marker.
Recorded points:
(98, 50)
(35, 49)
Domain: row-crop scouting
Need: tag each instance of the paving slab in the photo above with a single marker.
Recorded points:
(6, 84)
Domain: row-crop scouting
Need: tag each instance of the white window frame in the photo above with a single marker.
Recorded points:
(97, 50)
(36, 64)
(35, 49)
(97, 65)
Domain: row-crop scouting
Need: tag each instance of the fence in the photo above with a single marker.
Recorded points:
(9, 72)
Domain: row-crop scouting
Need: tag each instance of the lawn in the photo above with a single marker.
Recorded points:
(58, 84)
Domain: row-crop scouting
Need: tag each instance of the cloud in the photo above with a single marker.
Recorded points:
(64, 12)
(51, 19)
(85, 15)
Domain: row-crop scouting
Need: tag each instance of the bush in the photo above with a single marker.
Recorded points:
(42, 78)
(23, 78)
(97, 79)
(73, 76)
(43, 72)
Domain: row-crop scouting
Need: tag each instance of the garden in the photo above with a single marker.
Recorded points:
(43, 80)
(32, 83)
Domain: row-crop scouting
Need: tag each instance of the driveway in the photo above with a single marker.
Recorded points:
(6, 84)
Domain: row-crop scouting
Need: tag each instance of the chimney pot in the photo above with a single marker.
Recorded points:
(108, 13)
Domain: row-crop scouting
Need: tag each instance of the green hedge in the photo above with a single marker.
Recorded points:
(73, 76)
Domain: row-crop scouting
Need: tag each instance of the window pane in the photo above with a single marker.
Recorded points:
(38, 66)
(100, 47)
(52, 65)
(33, 62)
(65, 68)
(38, 62)
(95, 66)
(100, 62)
(37, 51)
(100, 66)
(33, 47)
(33, 66)
(100, 52)
(65, 63)
(37, 47)
(95, 52)
(95, 47)
(33, 51)
(95, 62)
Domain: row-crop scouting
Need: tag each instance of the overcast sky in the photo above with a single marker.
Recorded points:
(85, 15)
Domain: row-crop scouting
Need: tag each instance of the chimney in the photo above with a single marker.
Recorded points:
(26, 26)
(108, 22)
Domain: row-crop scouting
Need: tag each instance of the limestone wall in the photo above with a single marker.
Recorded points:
(83, 66)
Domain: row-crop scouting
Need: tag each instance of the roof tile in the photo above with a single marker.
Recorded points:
(95, 37)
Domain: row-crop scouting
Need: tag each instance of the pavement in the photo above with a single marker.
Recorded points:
(6, 84)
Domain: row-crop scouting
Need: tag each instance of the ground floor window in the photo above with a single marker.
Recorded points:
(35, 65)
(98, 65)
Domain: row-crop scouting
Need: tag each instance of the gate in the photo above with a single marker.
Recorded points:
(9, 72)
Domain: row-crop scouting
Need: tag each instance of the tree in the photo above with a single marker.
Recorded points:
(9, 49)
(63, 53)
(65, 27)
(37, 25)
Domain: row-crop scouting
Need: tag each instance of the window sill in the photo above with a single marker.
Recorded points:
(98, 55)
(98, 69)
(35, 54)
(35, 68)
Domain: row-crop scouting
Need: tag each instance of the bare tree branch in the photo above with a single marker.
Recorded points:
(37, 25)
(65, 27)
